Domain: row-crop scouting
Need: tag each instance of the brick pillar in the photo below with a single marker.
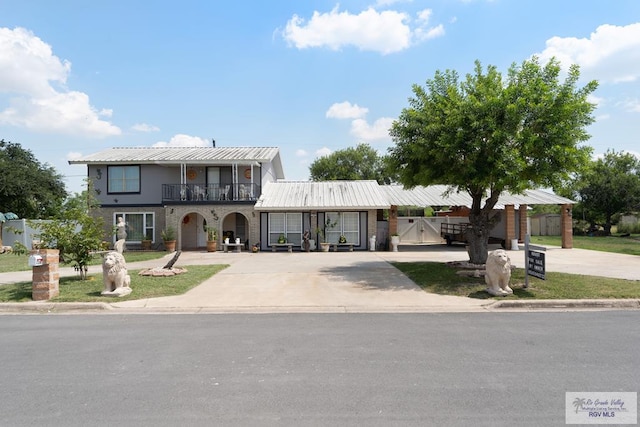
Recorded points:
(46, 277)
(510, 224)
(393, 222)
(523, 222)
(566, 225)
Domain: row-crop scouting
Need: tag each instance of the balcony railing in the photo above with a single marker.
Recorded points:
(210, 193)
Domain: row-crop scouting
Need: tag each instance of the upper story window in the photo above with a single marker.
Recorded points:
(124, 179)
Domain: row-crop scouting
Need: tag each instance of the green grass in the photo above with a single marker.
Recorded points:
(11, 262)
(442, 279)
(621, 245)
(72, 289)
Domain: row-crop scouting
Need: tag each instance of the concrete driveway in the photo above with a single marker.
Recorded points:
(304, 282)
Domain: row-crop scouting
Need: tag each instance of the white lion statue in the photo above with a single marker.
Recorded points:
(498, 273)
(114, 275)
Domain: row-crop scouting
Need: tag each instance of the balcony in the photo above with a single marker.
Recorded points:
(218, 193)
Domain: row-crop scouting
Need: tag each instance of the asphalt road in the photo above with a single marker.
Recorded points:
(454, 369)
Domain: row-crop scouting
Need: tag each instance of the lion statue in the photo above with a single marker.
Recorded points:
(498, 273)
(114, 275)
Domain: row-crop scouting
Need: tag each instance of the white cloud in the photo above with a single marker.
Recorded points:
(345, 110)
(386, 31)
(324, 151)
(144, 127)
(182, 140)
(362, 130)
(33, 82)
(301, 153)
(611, 53)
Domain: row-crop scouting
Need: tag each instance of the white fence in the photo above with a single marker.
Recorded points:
(18, 231)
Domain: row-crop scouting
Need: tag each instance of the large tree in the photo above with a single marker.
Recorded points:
(485, 135)
(27, 187)
(608, 186)
(361, 162)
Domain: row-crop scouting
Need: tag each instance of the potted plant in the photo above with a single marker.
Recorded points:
(321, 231)
(282, 239)
(212, 239)
(342, 239)
(169, 238)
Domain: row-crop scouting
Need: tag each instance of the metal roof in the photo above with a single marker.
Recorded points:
(350, 195)
(325, 195)
(185, 155)
(435, 195)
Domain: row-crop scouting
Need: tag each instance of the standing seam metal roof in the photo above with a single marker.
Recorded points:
(342, 195)
(305, 195)
(179, 155)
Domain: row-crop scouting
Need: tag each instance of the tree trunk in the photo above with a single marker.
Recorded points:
(482, 222)
(607, 226)
(478, 240)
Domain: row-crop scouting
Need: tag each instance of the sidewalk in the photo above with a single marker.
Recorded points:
(346, 282)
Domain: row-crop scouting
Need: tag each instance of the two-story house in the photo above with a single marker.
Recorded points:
(188, 189)
(241, 192)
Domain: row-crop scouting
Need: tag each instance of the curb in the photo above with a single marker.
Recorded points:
(52, 307)
(564, 304)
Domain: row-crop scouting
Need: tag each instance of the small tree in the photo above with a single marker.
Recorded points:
(484, 136)
(606, 187)
(75, 233)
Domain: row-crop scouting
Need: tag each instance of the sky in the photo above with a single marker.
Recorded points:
(310, 77)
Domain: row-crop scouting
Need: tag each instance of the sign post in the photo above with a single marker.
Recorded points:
(534, 261)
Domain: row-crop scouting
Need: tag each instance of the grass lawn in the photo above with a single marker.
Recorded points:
(11, 262)
(72, 289)
(621, 245)
(442, 279)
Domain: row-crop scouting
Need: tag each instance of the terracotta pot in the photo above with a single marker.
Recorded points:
(212, 245)
(146, 245)
(325, 246)
(170, 245)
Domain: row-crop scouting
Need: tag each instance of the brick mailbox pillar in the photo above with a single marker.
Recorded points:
(46, 276)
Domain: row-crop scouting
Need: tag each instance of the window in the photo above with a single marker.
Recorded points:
(287, 224)
(139, 225)
(124, 179)
(345, 224)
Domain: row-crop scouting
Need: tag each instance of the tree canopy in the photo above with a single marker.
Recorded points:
(27, 187)
(361, 162)
(607, 186)
(487, 134)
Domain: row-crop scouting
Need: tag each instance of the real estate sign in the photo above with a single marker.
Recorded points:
(534, 261)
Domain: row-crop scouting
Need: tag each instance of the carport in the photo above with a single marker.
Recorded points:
(512, 224)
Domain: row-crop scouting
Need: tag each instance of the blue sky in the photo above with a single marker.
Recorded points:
(308, 77)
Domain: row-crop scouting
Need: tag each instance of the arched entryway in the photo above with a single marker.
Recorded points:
(192, 231)
(235, 225)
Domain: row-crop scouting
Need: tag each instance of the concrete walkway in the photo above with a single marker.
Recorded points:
(341, 282)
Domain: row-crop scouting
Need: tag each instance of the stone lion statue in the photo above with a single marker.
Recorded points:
(114, 275)
(498, 273)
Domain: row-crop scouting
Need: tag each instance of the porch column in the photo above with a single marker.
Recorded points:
(510, 224)
(566, 225)
(523, 222)
(393, 222)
